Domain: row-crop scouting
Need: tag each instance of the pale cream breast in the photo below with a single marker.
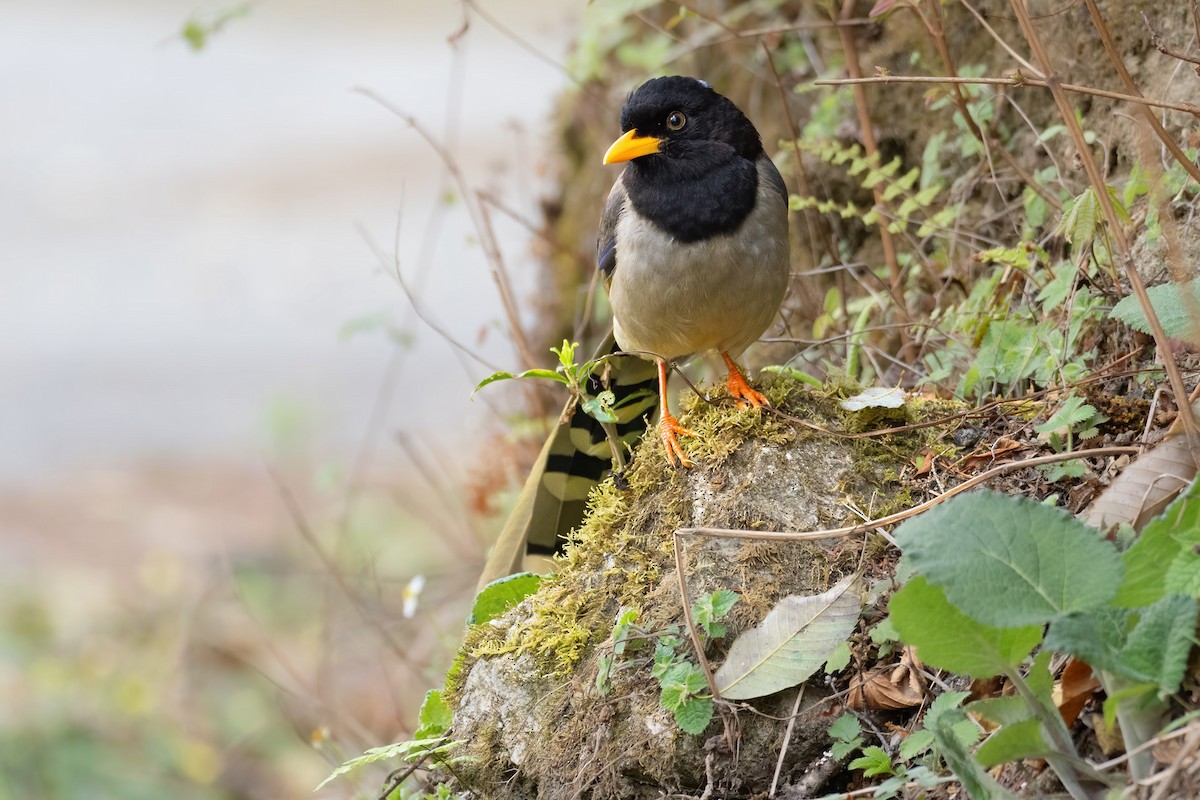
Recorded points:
(672, 299)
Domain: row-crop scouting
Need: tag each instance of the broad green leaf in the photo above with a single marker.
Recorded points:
(1148, 645)
(681, 682)
(1002, 710)
(1159, 643)
(1183, 576)
(1008, 561)
(711, 607)
(1162, 560)
(1012, 743)
(694, 714)
(501, 595)
(839, 659)
(1173, 305)
(434, 718)
(914, 744)
(949, 639)
(790, 644)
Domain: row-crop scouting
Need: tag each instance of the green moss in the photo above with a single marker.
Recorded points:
(620, 553)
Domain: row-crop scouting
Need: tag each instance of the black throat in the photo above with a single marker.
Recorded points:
(702, 189)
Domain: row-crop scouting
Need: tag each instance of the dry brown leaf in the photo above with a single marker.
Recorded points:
(1146, 486)
(1074, 689)
(1000, 448)
(890, 687)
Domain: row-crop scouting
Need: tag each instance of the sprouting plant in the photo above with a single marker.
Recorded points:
(682, 683)
(582, 382)
(1073, 420)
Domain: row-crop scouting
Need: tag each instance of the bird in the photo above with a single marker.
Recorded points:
(693, 248)
(694, 236)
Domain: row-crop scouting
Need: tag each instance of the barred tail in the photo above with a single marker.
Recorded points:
(575, 458)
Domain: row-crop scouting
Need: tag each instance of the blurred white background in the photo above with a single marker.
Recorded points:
(181, 246)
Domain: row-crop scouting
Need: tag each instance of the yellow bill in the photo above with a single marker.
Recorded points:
(631, 146)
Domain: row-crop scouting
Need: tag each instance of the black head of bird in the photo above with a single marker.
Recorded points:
(693, 241)
(692, 157)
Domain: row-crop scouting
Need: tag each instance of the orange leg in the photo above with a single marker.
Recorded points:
(740, 390)
(668, 426)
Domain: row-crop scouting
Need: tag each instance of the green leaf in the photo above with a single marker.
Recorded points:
(1145, 692)
(948, 703)
(949, 639)
(1148, 647)
(1012, 743)
(681, 682)
(709, 608)
(874, 761)
(434, 718)
(546, 374)
(694, 715)
(626, 619)
(1008, 561)
(914, 744)
(1072, 412)
(793, 373)
(1079, 219)
(845, 728)
(1173, 304)
(790, 644)
(839, 659)
(1159, 643)
(406, 750)
(1002, 710)
(978, 784)
(1170, 537)
(501, 595)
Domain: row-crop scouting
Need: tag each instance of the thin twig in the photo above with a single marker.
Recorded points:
(1161, 46)
(1017, 80)
(694, 634)
(787, 738)
(891, 519)
(871, 147)
(1119, 64)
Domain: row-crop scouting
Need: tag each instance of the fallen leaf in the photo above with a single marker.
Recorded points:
(890, 687)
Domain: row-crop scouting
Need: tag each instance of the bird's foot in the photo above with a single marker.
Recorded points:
(740, 389)
(668, 429)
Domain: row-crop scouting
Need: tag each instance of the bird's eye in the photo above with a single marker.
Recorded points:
(676, 120)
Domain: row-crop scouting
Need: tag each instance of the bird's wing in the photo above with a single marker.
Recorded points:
(769, 172)
(575, 457)
(606, 247)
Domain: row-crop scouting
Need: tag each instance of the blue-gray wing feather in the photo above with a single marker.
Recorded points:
(606, 248)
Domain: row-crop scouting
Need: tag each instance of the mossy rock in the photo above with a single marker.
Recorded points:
(525, 698)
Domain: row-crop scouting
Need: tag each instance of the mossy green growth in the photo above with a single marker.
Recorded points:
(620, 553)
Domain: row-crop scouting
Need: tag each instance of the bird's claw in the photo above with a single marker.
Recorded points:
(668, 429)
(743, 393)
